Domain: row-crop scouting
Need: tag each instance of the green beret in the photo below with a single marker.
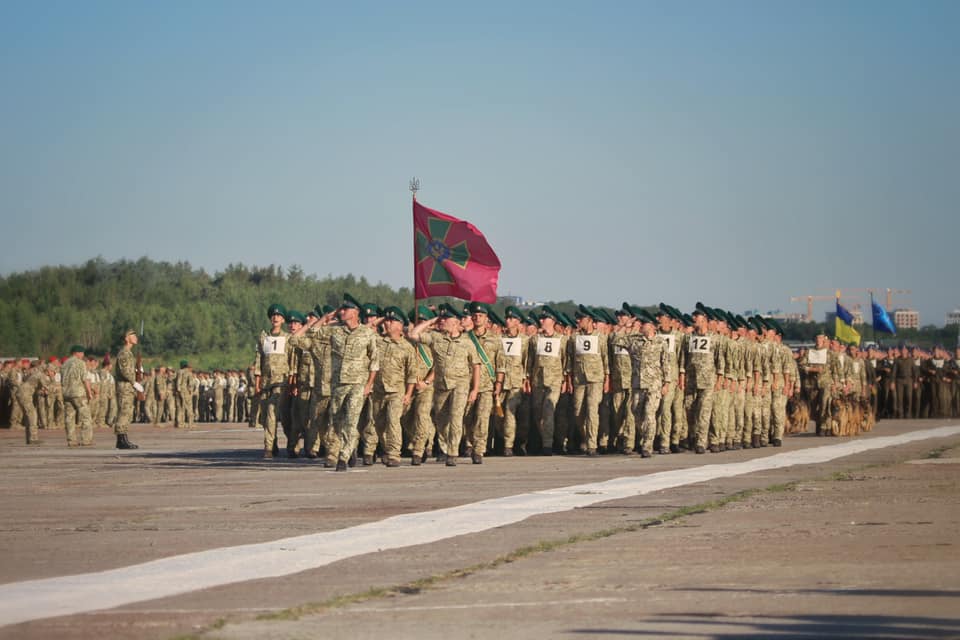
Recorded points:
(77, 348)
(394, 313)
(295, 316)
(627, 309)
(742, 322)
(349, 302)
(447, 310)
(585, 312)
(327, 308)
(276, 309)
(686, 319)
(604, 316)
(548, 312)
(567, 321)
(370, 310)
(533, 319)
(644, 316)
(478, 307)
(513, 312)
(425, 313)
(184, 364)
(699, 311)
(314, 312)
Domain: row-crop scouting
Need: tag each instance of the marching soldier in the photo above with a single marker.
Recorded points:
(702, 365)
(548, 372)
(588, 376)
(393, 385)
(456, 377)
(489, 352)
(516, 383)
(183, 392)
(271, 370)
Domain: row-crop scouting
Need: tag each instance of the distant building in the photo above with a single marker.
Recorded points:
(906, 319)
(953, 317)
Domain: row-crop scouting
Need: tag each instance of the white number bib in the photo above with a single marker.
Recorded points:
(587, 345)
(671, 341)
(699, 344)
(549, 347)
(817, 356)
(512, 346)
(619, 350)
(274, 344)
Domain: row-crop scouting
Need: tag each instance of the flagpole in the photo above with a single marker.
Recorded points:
(414, 187)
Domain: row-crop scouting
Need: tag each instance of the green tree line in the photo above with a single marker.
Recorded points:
(213, 320)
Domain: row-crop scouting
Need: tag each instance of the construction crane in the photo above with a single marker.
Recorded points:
(811, 298)
(890, 292)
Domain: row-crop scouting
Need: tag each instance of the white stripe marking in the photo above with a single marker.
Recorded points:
(36, 599)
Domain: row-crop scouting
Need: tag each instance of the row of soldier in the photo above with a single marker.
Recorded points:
(358, 377)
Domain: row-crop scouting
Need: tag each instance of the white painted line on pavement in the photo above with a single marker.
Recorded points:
(36, 599)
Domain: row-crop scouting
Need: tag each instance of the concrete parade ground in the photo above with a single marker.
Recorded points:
(195, 536)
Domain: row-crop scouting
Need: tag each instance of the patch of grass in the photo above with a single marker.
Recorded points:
(937, 453)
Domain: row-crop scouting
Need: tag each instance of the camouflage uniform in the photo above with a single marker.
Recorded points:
(424, 430)
(76, 403)
(272, 366)
(652, 358)
(478, 429)
(397, 370)
(547, 356)
(587, 358)
(183, 392)
(125, 375)
(35, 381)
(353, 357)
(453, 363)
(514, 352)
(621, 376)
(701, 360)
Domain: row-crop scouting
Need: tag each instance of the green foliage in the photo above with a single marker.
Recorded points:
(186, 313)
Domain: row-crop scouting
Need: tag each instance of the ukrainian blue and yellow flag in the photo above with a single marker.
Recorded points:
(843, 330)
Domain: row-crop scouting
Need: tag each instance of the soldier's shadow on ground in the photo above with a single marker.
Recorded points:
(225, 458)
(698, 625)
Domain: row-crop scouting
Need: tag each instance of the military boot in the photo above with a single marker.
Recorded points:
(124, 443)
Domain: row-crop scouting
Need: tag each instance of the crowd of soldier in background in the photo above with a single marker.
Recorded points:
(31, 394)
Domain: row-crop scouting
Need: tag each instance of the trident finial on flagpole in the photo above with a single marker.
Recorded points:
(415, 186)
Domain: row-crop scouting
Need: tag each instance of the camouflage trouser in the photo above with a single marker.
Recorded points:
(778, 414)
(544, 409)
(478, 430)
(449, 406)
(299, 419)
(368, 428)
(320, 426)
(253, 415)
(184, 416)
(699, 406)
(387, 409)
(761, 416)
(604, 435)
(126, 396)
(346, 403)
(623, 422)
(586, 408)
(424, 429)
(512, 399)
(739, 423)
(749, 409)
(230, 405)
(77, 413)
(665, 416)
(645, 415)
(218, 404)
(271, 410)
(720, 417)
(29, 414)
(678, 432)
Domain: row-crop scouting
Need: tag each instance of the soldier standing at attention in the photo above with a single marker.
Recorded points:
(183, 393)
(621, 376)
(127, 386)
(272, 368)
(393, 385)
(904, 372)
(456, 369)
(76, 399)
(354, 364)
(589, 377)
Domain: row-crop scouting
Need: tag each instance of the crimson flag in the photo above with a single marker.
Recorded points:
(451, 258)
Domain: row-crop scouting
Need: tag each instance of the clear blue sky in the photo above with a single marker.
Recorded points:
(732, 152)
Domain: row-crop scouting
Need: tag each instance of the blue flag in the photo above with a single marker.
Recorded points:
(843, 328)
(881, 320)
